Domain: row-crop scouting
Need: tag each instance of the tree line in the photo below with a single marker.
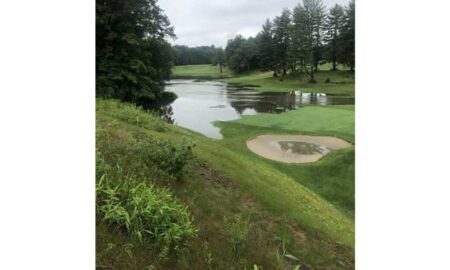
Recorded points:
(298, 40)
(185, 55)
(133, 56)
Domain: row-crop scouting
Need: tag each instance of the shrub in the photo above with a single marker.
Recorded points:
(147, 213)
(167, 156)
(327, 80)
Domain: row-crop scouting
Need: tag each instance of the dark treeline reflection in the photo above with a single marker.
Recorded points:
(209, 101)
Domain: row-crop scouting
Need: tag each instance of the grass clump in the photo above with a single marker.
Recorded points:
(169, 157)
(237, 234)
(149, 214)
(132, 114)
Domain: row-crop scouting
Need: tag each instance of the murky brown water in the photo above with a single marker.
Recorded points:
(302, 148)
(295, 148)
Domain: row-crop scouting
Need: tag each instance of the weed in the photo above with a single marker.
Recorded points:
(237, 234)
(145, 212)
(168, 157)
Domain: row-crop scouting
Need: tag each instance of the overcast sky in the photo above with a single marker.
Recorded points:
(213, 22)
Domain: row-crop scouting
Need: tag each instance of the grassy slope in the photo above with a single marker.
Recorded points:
(223, 182)
(332, 177)
(342, 82)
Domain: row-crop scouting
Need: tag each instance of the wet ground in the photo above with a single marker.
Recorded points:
(295, 148)
(200, 103)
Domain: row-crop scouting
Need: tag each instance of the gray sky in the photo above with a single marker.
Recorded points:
(213, 22)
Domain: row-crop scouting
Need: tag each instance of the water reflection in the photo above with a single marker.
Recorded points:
(200, 103)
(302, 148)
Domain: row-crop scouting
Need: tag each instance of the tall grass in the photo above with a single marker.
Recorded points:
(149, 214)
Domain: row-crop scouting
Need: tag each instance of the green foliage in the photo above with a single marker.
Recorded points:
(301, 39)
(333, 25)
(241, 54)
(281, 37)
(185, 55)
(220, 187)
(132, 55)
(147, 213)
(265, 43)
(237, 233)
(346, 40)
(132, 114)
(167, 156)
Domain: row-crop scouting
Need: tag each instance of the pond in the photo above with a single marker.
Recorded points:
(200, 103)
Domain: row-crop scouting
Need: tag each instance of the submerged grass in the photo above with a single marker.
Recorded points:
(219, 180)
(341, 82)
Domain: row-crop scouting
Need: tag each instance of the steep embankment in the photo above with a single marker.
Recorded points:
(246, 212)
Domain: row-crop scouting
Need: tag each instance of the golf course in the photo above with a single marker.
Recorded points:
(261, 212)
(235, 155)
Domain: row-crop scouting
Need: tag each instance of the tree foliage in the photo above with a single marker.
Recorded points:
(282, 37)
(346, 39)
(132, 54)
(333, 27)
(194, 55)
(298, 40)
(265, 46)
(241, 54)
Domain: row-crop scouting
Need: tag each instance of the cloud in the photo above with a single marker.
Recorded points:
(213, 22)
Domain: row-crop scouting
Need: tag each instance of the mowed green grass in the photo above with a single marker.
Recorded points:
(200, 72)
(224, 180)
(338, 121)
(342, 82)
(333, 176)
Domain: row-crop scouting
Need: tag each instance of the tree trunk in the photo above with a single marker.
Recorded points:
(334, 63)
(284, 71)
(220, 65)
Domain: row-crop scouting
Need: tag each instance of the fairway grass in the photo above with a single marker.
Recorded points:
(225, 181)
(333, 176)
(206, 72)
(340, 82)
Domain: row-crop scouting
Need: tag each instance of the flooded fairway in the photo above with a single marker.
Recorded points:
(200, 103)
(295, 148)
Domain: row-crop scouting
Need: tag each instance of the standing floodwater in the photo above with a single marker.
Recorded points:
(200, 103)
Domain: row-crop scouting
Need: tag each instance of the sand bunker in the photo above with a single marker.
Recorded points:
(295, 148)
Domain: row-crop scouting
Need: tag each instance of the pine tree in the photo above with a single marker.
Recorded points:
(265, 44)
(282, 31)
(333, 26)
